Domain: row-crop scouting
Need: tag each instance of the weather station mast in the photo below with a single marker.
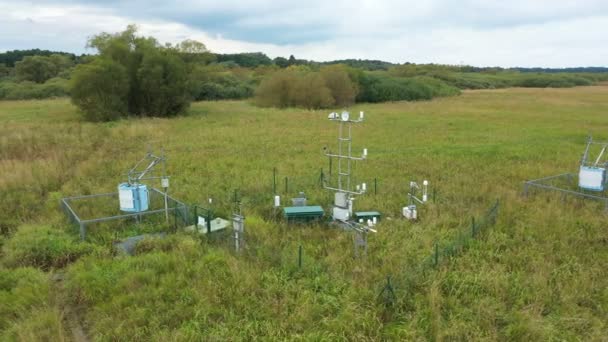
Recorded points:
(344, 197)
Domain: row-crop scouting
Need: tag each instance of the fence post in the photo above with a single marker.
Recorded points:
(321, 177)
(174, 219)
(286, 185)
(473, 232)
(83, 231)
(300, 256)
(434, 194)
(375, 186)
(274, 180)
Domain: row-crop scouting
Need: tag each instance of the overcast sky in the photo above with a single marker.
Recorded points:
(558, 33)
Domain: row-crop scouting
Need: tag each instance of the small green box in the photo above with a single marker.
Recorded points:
(303, 214)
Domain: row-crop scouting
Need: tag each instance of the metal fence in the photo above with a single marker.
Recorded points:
(441, 252)
(176, 212)
(564, 183)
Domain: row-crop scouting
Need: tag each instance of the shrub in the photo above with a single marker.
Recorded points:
(100, 90)
(131, 75)
(21, 290)
(220, 85)
(274, 91)
(162, 85)
(42, 247)
(380, 88)
(55, 87)
(342, 88)
(310, 91)
(299, 87)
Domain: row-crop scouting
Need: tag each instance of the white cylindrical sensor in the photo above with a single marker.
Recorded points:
(374, 220)
(369, 223)
(364, 186)
(358, 187)
(361, 114)
(277, 201)
(210, 200)
(424, 198)
(365, 152)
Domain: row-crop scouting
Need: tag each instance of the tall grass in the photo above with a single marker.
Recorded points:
(538, 275)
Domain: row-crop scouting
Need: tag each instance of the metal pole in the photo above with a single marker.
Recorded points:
(375, 186)
(166, 207)
(236, 240)
(209, 215)
(340, 153)
(286, 185)
(330, 160)
(349, 156)
(83, 231)
(274, 180)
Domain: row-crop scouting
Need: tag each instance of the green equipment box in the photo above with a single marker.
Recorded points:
(303, 214)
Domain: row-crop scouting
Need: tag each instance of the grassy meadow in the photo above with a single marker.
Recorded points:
(538, 274)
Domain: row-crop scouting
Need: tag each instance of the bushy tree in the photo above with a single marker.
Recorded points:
(162, 82)
(132, 75)
(296, 86)
(41, 68)
(194, 52)
(4, 70)
(342, 88)
(275, 90)
(100, 89)
(36, 68)
(310, 91)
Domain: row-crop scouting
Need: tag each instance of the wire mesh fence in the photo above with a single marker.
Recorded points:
(441, 252)
(101, 211)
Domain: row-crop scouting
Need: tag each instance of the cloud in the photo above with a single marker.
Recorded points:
(476, 32)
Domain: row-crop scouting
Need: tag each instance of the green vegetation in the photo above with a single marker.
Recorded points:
(42, 247)
(161, 80)
(39, 69)
(302, 87)
(150, 80)
(27, 312)
(538, 274)
(466, 77)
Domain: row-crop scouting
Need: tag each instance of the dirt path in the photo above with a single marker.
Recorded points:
(71, 318)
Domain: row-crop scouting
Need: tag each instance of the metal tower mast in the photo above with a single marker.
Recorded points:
(344, 191)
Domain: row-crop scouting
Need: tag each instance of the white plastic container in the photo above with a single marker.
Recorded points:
(410, 212)
(340, 214)
(592, 178)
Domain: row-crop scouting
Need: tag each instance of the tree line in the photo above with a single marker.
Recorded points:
(132, 75)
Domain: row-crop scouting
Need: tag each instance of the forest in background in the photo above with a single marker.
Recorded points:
(132, 75)
(37, 74)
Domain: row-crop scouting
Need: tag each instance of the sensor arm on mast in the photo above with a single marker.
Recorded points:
(136, 176)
